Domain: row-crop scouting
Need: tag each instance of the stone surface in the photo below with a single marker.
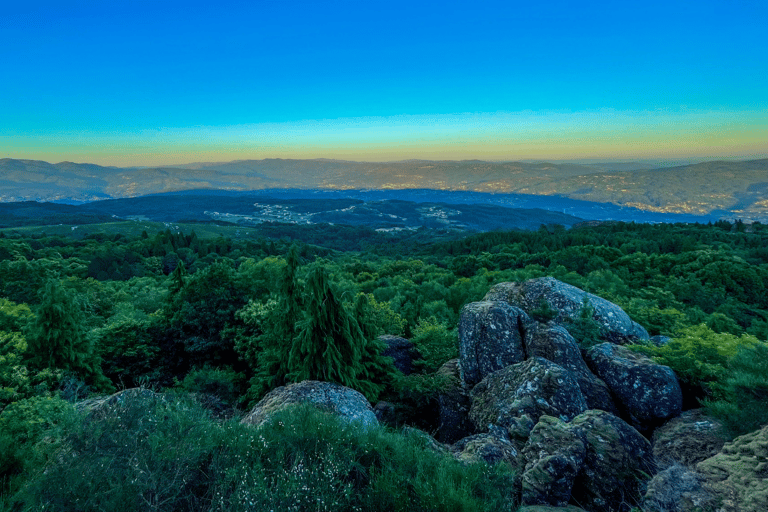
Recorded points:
(646, 393)
(490, 447)
(567, 301)
(677, 489)
(516, 396)
(554, 455)
(617, 463)
(490, 338)
(401, 351)
(554, 343)
(547, 508)
(454, 403)
(738, 475)
(688, 439)
(326, 396)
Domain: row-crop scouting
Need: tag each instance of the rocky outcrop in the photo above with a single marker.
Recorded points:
(617, 463)
(401, 351)
(648, 394)
(678, 489)
(326, 396)
(547, 508)
(738, 475)
(554, 343)
(688, 439)
(566, 301)
(516, 396)
(454, 404)
(491, 447)
(554, 455)
(490, 338)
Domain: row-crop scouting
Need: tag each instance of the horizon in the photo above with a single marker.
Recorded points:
(142, 84)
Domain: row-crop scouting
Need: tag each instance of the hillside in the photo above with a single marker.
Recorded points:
(724, 189)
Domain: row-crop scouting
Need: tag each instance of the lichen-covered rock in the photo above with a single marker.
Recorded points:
(554, 343)
(617, 463)
(567, 300)
(554, 456)
(677, 489)
(688, 439)
(547, 508)
(401, 351)
(516, 396)
(490, 338)
(454, 404)
(647, 394)
(738, 475)
(344, 402)
(490, 447)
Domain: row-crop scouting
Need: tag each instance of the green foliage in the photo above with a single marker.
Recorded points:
(743, 396)
(543, 312)
(14, 375)
(130, 352)
(223, 383)
(14, 317)
(160, 452)
(57, 339)
(329, 343)
(584, 328)
(699, 356)
(435, 342)
(22, 425)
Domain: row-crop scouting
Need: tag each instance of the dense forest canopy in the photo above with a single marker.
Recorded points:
(232, 318)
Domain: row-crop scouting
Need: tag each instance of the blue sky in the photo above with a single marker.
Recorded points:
(146, 83)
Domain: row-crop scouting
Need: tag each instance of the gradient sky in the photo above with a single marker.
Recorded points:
(164, 82)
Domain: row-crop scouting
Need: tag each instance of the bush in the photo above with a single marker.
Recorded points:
(743, 407)
(435, 342)
(143, 451)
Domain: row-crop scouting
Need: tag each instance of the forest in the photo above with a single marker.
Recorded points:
(215, 322)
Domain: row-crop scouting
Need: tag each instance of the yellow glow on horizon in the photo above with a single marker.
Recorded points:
(603, 134)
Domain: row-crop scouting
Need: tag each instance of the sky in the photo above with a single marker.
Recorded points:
(164, 82)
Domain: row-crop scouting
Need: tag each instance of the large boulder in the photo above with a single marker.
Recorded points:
(554, 343)
(648, 394)
(344, 402)
(401, 351)
(566, 301)
(490, 338)
(516, 396)
(490, 447)
(454, 403)
(617, 463)
(688, 439)
(677, 488)
(738, 475)
(554, 455)
(548, 508)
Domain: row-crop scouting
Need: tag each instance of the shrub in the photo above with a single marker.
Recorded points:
(743, 407)
(584, 328)
(435, 342)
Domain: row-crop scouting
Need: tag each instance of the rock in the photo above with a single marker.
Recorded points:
(490, 447)
(516, 396)
(427, 440)
(567, 300)
(490, 338)
(554, 456)
(688, 439)
(547, 508)
(401, 351)
(659, 340)
(738, 475)
(385, 412)
(677, 489)
(554, 343)
(326, 396)
(617, 463)
(454, 404)
(647, 394)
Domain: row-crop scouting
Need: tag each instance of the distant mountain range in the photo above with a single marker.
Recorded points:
(719, 189)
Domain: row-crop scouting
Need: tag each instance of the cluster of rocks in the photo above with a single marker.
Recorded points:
(596, 430)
